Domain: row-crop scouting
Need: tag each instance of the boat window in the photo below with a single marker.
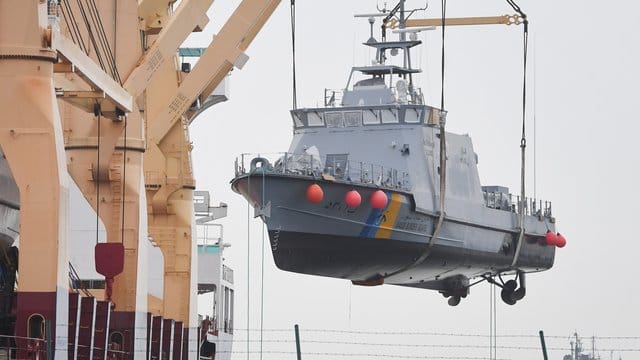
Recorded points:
(432, 117)
(353, 118)
(412, 115)
(35, 326)
(116, 341)
(226, 310)
(336, 165)
(231, 311)
(314, 119)
(370, 117)
(297, 122)
(334, 119)
(389, 116)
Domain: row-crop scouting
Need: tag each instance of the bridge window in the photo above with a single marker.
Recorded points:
(334, 119)
(353, 118)
(389, 116)
(227, 310)
(297, 122)
(231, 303)
(412, 115)
(315, 119)
(370, 117)
(432, 117)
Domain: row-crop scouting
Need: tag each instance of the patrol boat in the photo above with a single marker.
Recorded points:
(360, 194)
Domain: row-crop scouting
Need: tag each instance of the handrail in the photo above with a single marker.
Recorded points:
(333, 97)
(307, 165)
(503, 201)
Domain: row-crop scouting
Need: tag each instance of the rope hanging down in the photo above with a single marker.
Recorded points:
(262, 269)
(248, 265)
(97, 111)
(443, 142)
(443, 149)
(523, 139)
(443, 161)
(293, 52)
(124, 178)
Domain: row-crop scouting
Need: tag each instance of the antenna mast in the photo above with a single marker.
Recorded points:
(403, 35)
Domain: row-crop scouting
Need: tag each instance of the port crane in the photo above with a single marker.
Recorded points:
(75, 85)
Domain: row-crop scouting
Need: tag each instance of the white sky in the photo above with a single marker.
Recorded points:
(585, 55)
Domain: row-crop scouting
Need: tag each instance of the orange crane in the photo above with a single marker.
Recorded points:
(104, 102)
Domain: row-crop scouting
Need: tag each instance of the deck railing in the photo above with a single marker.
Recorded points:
(333, 97)
(32, 348)
(209, 235)
(509, 202)
(356, 172)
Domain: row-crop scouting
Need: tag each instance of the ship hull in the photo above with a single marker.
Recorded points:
(364, 244)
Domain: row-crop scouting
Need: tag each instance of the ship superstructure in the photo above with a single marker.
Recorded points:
(579, 352)
(215, 280)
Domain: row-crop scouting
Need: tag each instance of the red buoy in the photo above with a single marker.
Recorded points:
(561, 241)
(378, 199)
(314, 193)
(551, 238)
(353, 199)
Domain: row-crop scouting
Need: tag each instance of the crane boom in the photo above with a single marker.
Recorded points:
(224, 52)
(480, 20)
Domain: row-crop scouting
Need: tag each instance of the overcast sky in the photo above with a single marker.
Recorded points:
(585, 56)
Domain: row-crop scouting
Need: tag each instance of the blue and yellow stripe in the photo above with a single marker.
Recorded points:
(380, 222)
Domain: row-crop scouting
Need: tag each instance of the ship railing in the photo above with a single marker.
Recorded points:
(333, 97)
(209, 235)
(509, 202)
(356, 172)
(33, 348)
(75, 283)
(36, 348)
(414, 97)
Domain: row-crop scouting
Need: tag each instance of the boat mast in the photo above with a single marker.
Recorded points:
(403, 36)
(390, 22)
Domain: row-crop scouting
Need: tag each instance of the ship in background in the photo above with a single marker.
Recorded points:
(579, 352)
(360, 194)
(89, 317)
(215, 281)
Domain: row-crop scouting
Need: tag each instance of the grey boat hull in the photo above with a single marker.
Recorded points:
(365, 244)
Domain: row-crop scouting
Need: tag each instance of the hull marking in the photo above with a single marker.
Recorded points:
(390, 216)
